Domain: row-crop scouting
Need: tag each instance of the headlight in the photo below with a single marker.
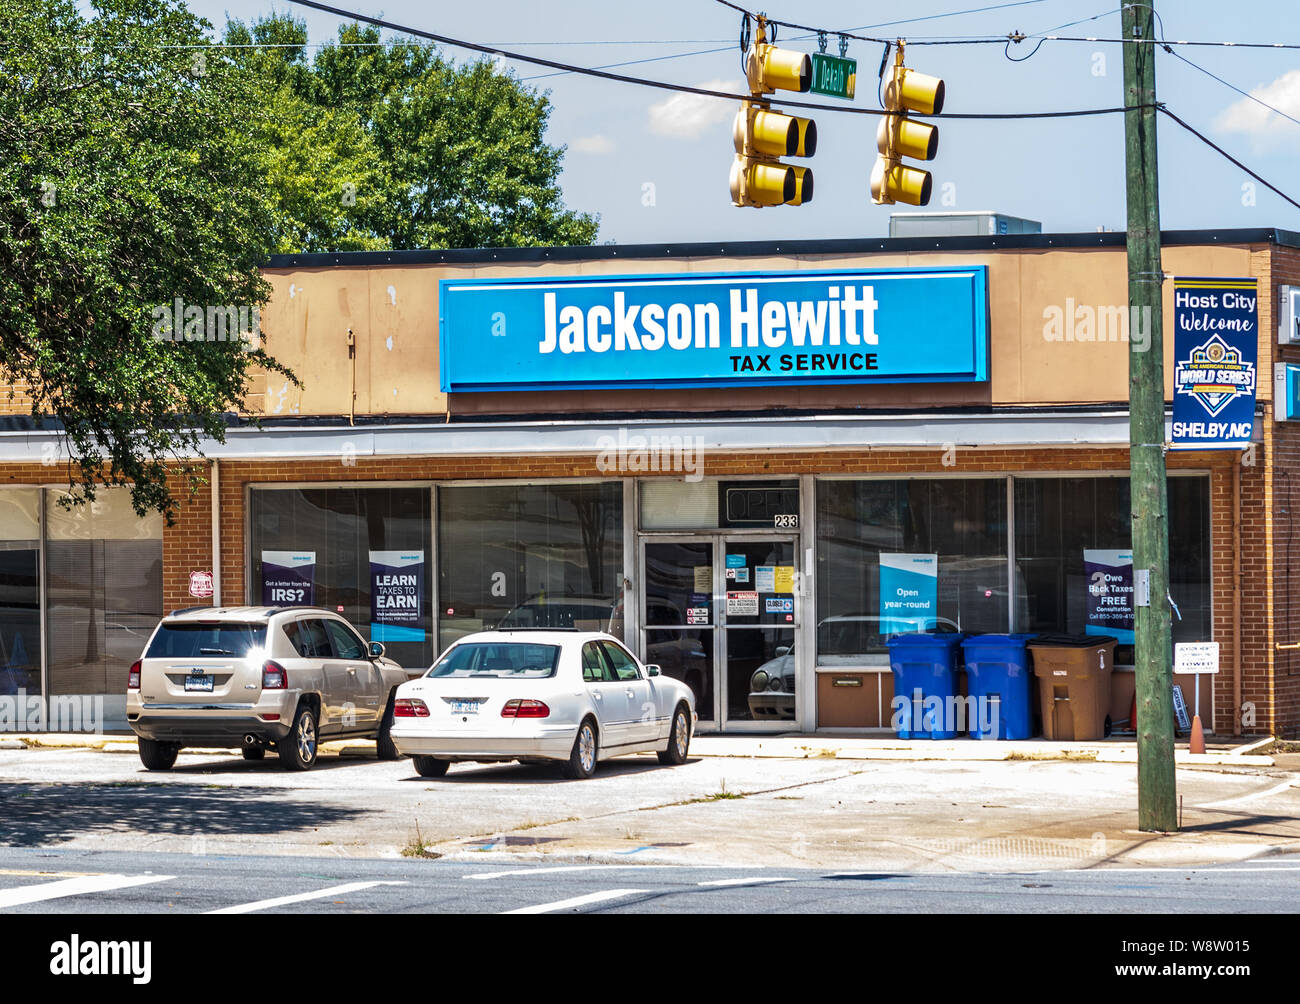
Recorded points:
(758, 681)
(776, 684)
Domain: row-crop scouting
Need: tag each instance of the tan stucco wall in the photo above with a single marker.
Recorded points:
(393, 312)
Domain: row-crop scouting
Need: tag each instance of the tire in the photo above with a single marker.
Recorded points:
(298, 750)
(253, 752)
(428, 766)
(384, 745)
(157, 755)
(679, 739)
(582, 759)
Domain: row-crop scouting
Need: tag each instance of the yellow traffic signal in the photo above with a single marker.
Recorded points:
(762, 136)
(899, 136)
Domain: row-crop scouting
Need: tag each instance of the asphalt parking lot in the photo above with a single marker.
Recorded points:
(900, 815)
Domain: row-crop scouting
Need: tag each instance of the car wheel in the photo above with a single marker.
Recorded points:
(428, 766)
(253, 752)
(679, 739)
(299, 748)
(582, 760)
(157, 755)
(384, 744)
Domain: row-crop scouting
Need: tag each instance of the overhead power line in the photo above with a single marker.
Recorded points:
(682, 88)
(1227, 156)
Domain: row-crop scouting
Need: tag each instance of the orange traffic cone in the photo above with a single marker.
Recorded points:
(1197, 742)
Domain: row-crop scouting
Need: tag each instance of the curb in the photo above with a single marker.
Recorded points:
(783, 748)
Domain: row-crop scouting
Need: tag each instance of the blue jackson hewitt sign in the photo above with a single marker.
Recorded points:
(672, 330)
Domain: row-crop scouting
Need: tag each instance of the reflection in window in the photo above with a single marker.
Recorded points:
(104, 590)
(962, 521)
(20, 594)
(530, 556)
(344, 527)
(1057, 519)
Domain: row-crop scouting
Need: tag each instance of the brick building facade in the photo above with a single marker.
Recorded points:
(1003, 460)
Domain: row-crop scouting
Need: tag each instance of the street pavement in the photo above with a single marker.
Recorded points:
(71, 882)
(895, 817)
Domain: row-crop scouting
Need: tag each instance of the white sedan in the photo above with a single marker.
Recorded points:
(572, 697)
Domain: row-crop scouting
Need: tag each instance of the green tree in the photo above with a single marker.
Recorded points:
(131, 176)
(456, 154)
(322, 164)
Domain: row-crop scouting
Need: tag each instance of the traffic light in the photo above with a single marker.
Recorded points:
(899, 136)
(762, 136)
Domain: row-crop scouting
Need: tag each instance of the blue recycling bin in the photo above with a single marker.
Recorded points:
(997, 685)
(925, 679)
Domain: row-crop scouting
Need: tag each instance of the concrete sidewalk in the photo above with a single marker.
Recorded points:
(805, 747)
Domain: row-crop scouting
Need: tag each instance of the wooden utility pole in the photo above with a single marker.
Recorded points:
(1157, 802)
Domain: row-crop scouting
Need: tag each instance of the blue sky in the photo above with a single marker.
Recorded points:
(1067, 173)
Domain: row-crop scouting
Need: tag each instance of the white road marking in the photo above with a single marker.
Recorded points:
(744, 881)
(302, 897)
(483, 876)
(1226, 802)
(81, 886)
(577, 901)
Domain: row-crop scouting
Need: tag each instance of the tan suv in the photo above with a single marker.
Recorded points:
(287, 678)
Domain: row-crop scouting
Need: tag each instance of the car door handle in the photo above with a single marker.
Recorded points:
(598, 696)
(631, 693)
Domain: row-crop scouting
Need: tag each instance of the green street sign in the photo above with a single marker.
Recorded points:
(833, 75)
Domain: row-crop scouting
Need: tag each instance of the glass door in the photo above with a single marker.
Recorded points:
(759, 615)
(679, 616)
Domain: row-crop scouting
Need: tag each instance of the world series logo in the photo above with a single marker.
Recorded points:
(1215, 375)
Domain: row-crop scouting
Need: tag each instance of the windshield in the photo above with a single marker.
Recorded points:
(191, 639)
(513, 660)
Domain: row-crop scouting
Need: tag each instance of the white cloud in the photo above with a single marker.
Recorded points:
(592, 144)
(1262, 125)
(687, 116)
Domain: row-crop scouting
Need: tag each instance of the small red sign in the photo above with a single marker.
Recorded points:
(201, 584)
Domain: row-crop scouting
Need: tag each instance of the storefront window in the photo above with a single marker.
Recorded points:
(20, 593)
(1073, 537)
(104, 591)
(915, 555)
(363, 552)
(530, 556)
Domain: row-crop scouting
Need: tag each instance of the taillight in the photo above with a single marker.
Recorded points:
(133, 676)
(410, 707)
(274, 677)
(525, 709)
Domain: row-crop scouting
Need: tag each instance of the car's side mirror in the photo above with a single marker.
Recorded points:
(782, 650)
(376, 649)
(652, 669)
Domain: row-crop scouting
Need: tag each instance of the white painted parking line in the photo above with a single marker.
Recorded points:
(577, 901)
(302, 897)
(744, 881)
(484, 876)
(81, 886)
(1224, 803)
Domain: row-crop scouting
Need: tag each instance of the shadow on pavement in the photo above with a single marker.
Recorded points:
(528, 773)
(43, 814)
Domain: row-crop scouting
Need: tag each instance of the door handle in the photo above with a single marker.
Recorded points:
(631, 693)
(598, 696)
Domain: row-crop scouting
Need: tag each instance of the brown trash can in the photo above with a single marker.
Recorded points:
(1073, 674)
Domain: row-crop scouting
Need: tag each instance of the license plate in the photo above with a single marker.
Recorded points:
(465, 707)
(202, 684)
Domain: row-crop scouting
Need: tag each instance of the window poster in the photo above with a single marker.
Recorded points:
(396, 595)
(289, 578)
(1110, 593)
